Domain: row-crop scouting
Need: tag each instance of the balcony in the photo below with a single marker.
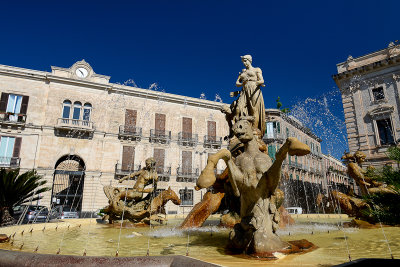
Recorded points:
(160, 136)
(187, 175)
(212, 141)
(187, 139)
(164, 173)
(274, 137)
(122, 170)
(130, 132)
(12, 119)
(9, 162)
(75, 125)
(295, 165)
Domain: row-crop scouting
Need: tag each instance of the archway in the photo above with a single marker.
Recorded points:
(68, 182)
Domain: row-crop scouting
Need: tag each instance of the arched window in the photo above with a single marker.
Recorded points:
(87, 108)
(66, 109)
(77, 111)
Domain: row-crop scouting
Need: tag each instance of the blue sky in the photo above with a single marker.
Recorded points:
(193, 47)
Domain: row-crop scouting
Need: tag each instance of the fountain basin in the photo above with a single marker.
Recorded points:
(206, 244)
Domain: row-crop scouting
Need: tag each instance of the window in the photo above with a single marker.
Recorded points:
(87, 108)
(287, 133)
(378, 93)
(212, 130)
(291, 176)
(77, 111)
(186, 196)
(9, 149)
(186, 128)
(272, 152)
(128, 158)
(66, 109)
(272, 129)
(385, 131)
(14, 105)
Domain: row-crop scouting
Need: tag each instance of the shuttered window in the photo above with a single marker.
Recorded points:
(160, 123)
(187, 127)
(211, 130)
(187, 161)
(159, 156)
(128, 158)
(130, 120)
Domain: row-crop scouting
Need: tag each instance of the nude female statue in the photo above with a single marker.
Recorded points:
(254, 178)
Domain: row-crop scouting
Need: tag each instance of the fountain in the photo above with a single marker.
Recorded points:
(131, 205)
(248, 188)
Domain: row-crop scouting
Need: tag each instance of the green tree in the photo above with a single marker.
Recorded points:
(279, 105)
(16, 189)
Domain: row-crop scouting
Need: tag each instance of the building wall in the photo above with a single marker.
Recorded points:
(357, 79)
(100, 146)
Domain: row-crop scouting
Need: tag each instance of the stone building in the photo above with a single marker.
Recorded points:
(370, 87)
(303, 177)
(336, 175)
(81, 132)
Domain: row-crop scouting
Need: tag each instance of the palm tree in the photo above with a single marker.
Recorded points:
(16, 189)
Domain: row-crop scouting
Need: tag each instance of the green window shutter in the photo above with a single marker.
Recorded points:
(290, 159)
(287, 133)
(297, 177)
(291, 176)
(295, 157)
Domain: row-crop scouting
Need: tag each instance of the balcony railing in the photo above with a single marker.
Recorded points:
(164, 173)
(212, 141)
(9, 162)
(84, 125)
(187, 175)
(187, 139)
(12, 118)
(295, 165)
(128, 131)
(125, 169)
(274, 136)
(160, 136)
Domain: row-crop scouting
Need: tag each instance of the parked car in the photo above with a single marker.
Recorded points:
(294, 210)
(64, 212)
(34, 213)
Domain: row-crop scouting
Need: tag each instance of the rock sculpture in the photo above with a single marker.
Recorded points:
(132, 204)
(355, 206)
(251, 178)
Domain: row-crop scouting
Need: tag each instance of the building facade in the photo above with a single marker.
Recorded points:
(82, 132)
(370, 87)
(303, 177)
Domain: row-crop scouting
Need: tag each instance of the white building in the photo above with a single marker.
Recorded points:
(81, 132)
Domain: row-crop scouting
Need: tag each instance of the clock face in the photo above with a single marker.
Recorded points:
(81, 72)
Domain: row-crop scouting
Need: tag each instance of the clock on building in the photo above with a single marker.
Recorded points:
(81, 72)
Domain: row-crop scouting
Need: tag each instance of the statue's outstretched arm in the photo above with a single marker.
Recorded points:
(207, 177)
(127, 177)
